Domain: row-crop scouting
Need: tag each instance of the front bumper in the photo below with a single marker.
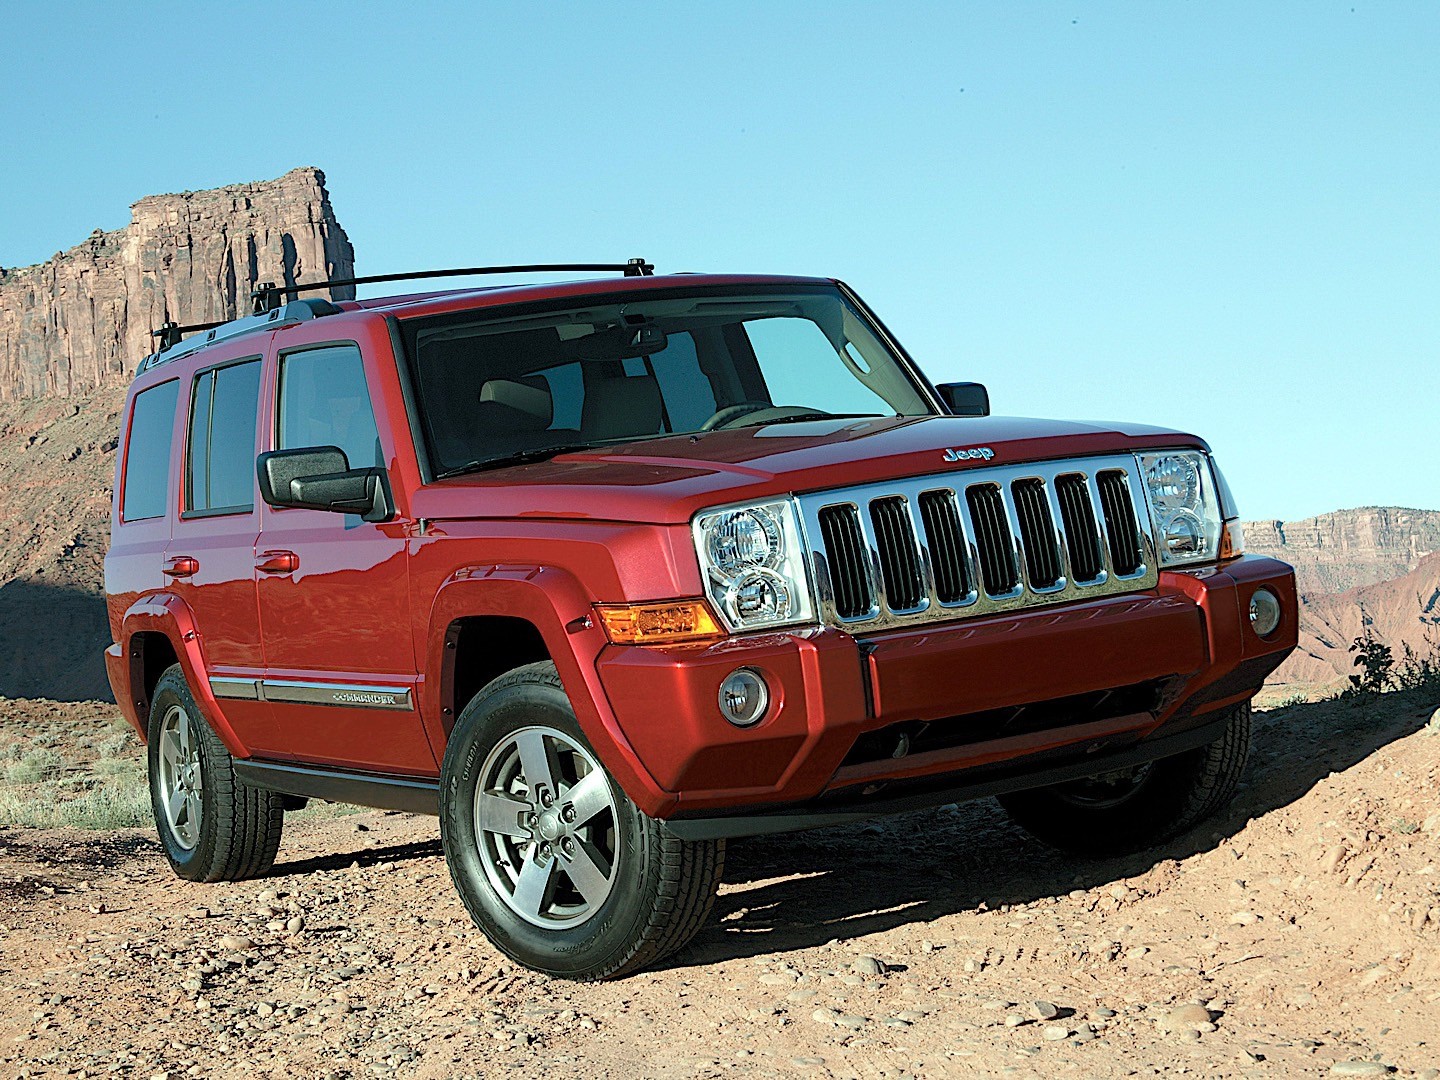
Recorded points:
(1006, 700)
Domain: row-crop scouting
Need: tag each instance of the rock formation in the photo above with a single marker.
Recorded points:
(71, 332)
(1348, 549)
(1401, 612)
(83, 319)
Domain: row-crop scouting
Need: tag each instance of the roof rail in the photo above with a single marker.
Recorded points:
(172, 348)
(268, 297)
(170, 333)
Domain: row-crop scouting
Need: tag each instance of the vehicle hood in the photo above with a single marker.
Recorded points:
(668, 480)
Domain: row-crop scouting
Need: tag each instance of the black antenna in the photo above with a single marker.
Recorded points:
(268, 296)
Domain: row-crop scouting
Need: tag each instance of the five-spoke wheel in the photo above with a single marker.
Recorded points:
(182, 783)
(550, 857)
(211, 826)
(545, 827)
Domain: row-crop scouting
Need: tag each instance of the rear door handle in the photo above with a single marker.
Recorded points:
(181, 566)
(278, 562)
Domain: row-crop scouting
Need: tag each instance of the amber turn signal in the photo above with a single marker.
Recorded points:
(1232, 541)
(665, 623)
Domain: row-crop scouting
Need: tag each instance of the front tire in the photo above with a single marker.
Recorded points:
(211, 825)
(552, 860)
(1131, 810)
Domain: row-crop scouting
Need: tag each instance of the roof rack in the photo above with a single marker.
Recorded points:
(170, 333)
(172, 347)
(271, 310)
(268, 297)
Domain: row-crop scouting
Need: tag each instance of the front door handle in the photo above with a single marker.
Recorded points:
(178, 566)
(278, 562)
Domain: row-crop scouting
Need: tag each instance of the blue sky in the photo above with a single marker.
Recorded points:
(1218, 217)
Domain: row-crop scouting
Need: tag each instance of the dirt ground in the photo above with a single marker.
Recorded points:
(1297, 936)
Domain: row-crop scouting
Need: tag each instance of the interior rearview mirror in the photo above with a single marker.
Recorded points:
(623, 342)
(965, 398)
(320, 478)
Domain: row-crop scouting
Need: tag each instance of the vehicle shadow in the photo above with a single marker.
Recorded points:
(806, 889)
(367, 857)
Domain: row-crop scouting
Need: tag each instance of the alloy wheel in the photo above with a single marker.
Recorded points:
(181, 782)
(545, 824)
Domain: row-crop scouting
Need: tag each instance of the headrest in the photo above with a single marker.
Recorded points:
(530, 396)
(617, 407)
(495, 418)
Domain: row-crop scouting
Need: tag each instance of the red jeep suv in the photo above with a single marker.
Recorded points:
(607, 572)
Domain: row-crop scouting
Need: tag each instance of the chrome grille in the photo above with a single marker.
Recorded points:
(978, 541)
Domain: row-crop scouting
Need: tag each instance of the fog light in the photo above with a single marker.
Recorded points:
(744, 697)
(1264, 612)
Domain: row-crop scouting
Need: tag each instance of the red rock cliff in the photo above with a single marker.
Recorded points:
(83, 319)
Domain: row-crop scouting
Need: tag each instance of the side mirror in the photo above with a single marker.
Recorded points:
(320, 478)
(965, 398)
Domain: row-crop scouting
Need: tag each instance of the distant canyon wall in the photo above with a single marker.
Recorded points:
(71, 332)
(1348, 549)
(83, 320)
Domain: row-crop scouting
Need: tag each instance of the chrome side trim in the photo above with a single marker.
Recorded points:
(954, 484)
(297, 692)
(347, 695)
(243, 689)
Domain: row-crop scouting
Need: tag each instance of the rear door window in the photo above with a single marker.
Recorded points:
(147, 452)
(221, 470)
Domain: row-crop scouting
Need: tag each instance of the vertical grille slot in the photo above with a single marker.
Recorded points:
(846, 555)
(1037, 532)
(1126, 555)
(946, 540)
(1082, 539)
(992, 538)
(899, 553)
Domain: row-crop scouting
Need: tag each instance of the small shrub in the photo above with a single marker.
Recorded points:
(35, 766)
(107, 806)
(1419, 670)
(113, 804)
(1376, 663)
(111, 767)
(120, 743)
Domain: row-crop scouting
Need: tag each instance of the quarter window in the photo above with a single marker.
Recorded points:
(147, 452)
(221, 471)
(324, 402)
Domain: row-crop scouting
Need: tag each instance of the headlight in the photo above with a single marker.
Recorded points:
(1184, 506)
(754, 565)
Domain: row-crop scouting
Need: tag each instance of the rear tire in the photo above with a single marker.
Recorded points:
(552, 860)
(1121, 813)
(212, 826)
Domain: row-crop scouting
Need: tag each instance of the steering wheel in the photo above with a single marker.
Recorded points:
(724, 416)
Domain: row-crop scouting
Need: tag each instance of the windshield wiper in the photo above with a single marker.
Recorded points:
(520, 457)
(805, 418)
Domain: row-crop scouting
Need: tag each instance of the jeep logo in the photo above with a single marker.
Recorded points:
(975, 453)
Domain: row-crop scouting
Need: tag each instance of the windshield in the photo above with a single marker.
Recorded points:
(493, 387)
